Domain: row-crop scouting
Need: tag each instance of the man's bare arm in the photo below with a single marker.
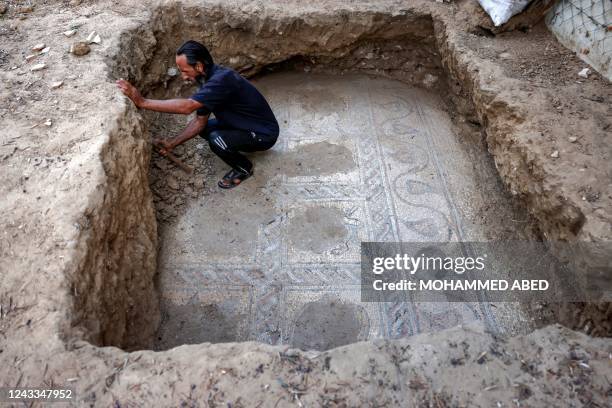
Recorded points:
(180, 106)
(194, 127)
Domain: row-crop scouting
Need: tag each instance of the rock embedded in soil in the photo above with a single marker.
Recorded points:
(430, 80)
(94, 38)
(584, 73)
(172, 183)
(25, 9)
(38, 67)
(80, 48)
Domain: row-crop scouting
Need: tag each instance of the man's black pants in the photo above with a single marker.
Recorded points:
(227, 143)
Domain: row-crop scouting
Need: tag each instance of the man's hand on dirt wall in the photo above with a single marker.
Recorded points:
(130, 91)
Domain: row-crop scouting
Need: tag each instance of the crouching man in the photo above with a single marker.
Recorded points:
(244, 121)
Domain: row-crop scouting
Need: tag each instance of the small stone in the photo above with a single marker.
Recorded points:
(172, 72)
(3, 8)
(30, 57)
(555, 154)
(75, 3)
(45, 50)
(93, 38)
(292, 352)
(573, 139)
(38, 67)
(80, 48)
(48, 122)
(38, 47)
(584, 73)
(172, 183)
(55, 85)
(69, 33)
(430, 80)
(505, 55)
(25, 9)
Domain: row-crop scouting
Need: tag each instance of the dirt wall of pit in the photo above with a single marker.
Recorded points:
(84, 277)
(115, 301)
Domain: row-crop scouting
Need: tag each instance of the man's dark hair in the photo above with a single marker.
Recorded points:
(196, 52)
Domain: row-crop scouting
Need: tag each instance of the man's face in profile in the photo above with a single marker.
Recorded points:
(188, 72)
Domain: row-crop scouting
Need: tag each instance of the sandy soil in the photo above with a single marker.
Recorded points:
(79, 240)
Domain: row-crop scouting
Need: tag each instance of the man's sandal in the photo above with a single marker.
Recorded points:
(233, 178)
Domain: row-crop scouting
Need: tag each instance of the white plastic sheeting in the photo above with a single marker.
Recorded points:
(501, 11)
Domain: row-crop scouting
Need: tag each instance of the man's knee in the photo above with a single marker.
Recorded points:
(215, 139)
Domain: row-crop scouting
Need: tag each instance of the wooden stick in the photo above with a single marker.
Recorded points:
(174, 159)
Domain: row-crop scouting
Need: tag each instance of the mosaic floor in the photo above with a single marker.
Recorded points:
(277, 259)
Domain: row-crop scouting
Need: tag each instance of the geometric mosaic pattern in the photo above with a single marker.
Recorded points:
(277, 259)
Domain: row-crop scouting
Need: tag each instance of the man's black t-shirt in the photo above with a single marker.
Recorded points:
(235, 102)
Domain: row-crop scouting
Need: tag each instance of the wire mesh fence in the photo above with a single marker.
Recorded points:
(587, 23)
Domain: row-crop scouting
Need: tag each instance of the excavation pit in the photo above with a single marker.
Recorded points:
(377, 143)
(277, 260)
(85, 206)
(383, 138)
